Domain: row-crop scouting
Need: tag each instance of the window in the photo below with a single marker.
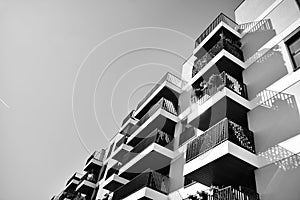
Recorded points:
(294, 48)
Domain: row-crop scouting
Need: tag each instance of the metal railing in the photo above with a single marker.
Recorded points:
(224, 43)
(230, 193)
(215, 84)
(152, 179)
(130, 115)
(121, 141)
(113, 170)
(163, 104)
(186, 135)
(220, 132)
(221, 18)
(156, 136)
(167, 77)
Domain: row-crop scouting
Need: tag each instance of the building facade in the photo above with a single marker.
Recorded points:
(228, 128)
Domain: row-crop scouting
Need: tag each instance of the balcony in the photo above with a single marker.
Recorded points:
(221, 18)
(148, 185)
(224, 154)
(129, 116)
(121, 149)
(223, 44)
(87, 183)
(162, 115)
(95, 161)
(215, 84)
(73, 182)
(156, 146)
(231, 193)
(169, 87)
(186, 135)
(224, 130)
(127, 123)
(113, 180)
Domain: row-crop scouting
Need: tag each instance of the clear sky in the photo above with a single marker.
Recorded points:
(47, 56)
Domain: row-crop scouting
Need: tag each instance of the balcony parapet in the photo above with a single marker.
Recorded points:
(224, 43)
(151, 179)
(220, 132)
(220, 18)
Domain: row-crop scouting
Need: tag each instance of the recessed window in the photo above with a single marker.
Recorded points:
(294, 48)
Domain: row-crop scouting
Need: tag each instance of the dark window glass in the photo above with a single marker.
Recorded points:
(294, 48)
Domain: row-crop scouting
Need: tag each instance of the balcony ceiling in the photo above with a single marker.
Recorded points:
(154, 160)
(223, 64)
(164, 92)
(160, 122)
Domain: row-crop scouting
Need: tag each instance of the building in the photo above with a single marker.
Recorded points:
(227, 129)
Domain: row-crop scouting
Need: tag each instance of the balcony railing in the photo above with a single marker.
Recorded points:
(186, 135)
(230, 193)
(215, 84)
(226, 44)
(98, 155)
(123, 140)
(220, 132)
(91, 177)
(113, 170)
(167, 77)
(156, 136)
(212, 26)
(130, 115)
(163, 104)
(152, 179)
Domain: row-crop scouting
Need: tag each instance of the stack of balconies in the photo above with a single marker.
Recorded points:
(224, 154)
(137, 174)
(84, 186)
(88, 181)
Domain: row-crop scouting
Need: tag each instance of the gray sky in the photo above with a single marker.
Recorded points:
(43, 46)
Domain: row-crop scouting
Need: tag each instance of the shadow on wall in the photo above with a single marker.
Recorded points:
(280, 115)
(281, 157)
(271, 67)
(280, 179)
(257, 33)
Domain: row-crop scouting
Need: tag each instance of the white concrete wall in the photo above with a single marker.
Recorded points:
(274, 183)
(249, 10)
(267, 26)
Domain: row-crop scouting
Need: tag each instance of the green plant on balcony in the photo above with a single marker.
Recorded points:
(240, 135)
(199, 196)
